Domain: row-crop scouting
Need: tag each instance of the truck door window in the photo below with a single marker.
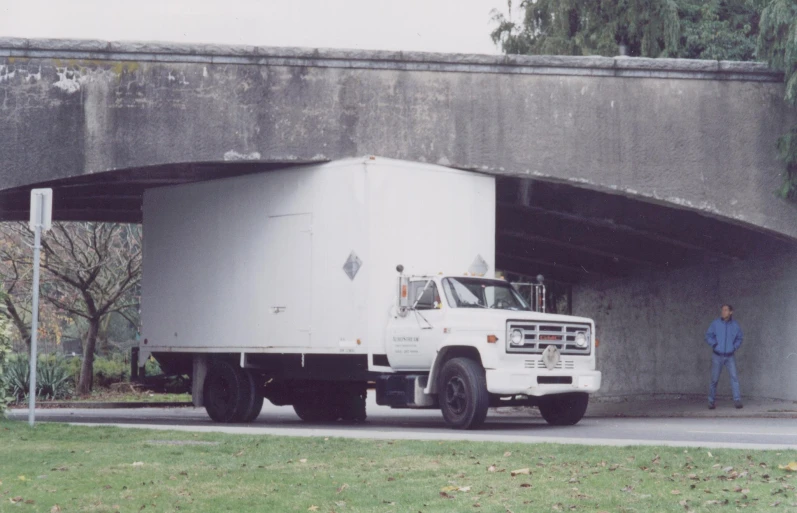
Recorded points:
(429, 298)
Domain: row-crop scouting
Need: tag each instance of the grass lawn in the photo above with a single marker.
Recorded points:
(62, 468)
(112, 396)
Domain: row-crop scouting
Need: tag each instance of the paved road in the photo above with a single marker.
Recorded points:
(384, 423)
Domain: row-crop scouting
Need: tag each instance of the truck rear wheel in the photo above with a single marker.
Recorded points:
(564, 409)
(351, 403)
(462, 393)
(228, 391)
(315, 410)
(256, 404)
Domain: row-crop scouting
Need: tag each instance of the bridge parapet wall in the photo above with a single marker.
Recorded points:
(691, 134)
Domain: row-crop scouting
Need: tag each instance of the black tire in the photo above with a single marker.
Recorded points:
(227, 392)
(256, 404)
(564, 409)
(462, 393)
(314, 403)
(351, 403)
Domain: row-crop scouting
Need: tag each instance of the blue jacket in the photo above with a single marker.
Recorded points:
(724, 337)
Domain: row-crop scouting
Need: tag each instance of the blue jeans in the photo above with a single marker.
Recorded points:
(716, 369)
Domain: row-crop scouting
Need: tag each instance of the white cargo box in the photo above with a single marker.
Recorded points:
(303, 260)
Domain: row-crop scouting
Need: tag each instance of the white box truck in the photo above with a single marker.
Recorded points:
(308, 285)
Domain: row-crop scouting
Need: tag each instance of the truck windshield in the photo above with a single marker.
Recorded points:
(481, 293)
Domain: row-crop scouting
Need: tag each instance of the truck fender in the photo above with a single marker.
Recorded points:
(443, 355)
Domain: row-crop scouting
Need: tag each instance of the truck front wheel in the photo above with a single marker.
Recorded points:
(462, 393)
(564, 409)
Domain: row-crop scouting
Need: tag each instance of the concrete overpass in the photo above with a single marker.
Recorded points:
(646, 184)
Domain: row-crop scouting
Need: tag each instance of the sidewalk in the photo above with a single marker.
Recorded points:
(673, 406)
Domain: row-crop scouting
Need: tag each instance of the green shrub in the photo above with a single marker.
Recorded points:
(110, 370)
(18, 377)
(53, 378)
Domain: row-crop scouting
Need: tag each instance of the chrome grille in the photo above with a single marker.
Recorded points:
(561, 364)
(539, 335)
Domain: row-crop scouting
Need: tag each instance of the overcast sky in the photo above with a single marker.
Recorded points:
(412, 25)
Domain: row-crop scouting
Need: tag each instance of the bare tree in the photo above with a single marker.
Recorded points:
(15, 280)
(90, 270)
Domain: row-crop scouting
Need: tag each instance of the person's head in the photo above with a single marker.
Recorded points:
(726, 312)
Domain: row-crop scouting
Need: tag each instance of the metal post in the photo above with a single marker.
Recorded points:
(34, 325)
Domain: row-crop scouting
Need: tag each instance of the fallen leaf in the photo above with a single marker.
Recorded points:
(303, 460)
(709, 455)
(22, 478)
(791, 467)
(694, 477)
(463, 489)
(775, 504)
(446, 496)
(138, 464)
(30, 501)
(656, 459)
(342, 487)
(491, 468)
(312, 508)
(239, 454)
(448, 488)
(55, 509)
(520, 471)
(676, 492)
(15, 500)
(727, 469)
(507, 454)
(684, 503)
(525, 485)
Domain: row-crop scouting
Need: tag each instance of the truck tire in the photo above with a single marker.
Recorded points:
(351, 403)
(227, 392)
(256, 404)
(316, 403)
(564, 409)
(462, 393)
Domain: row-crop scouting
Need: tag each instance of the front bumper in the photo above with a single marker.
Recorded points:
(520, 382)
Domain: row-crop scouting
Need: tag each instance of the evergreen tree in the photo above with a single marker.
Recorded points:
(695, 29)
(777, 45)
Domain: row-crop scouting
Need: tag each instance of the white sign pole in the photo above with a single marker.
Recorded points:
(41, 207)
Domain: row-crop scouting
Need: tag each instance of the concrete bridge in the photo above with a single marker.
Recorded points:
(645, 186)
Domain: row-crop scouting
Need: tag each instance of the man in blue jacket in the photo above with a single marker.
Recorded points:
(725, 337)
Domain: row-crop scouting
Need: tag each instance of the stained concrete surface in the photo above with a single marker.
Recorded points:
(698, 135)
(652, 324)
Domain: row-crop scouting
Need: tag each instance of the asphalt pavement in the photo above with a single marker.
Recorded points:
(760, 427)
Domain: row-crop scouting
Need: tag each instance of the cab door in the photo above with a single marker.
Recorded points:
(413, 339)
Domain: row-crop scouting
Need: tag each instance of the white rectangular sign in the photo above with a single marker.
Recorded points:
(41, 209)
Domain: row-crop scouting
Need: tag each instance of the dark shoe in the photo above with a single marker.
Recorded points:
(711, 406)
(738, 405)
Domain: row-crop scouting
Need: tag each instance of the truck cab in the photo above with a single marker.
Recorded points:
(476, 342)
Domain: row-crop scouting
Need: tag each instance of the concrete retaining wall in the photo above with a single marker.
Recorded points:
(651, 327)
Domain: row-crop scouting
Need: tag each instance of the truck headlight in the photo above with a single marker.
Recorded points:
(516, 338)
(581, 339)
